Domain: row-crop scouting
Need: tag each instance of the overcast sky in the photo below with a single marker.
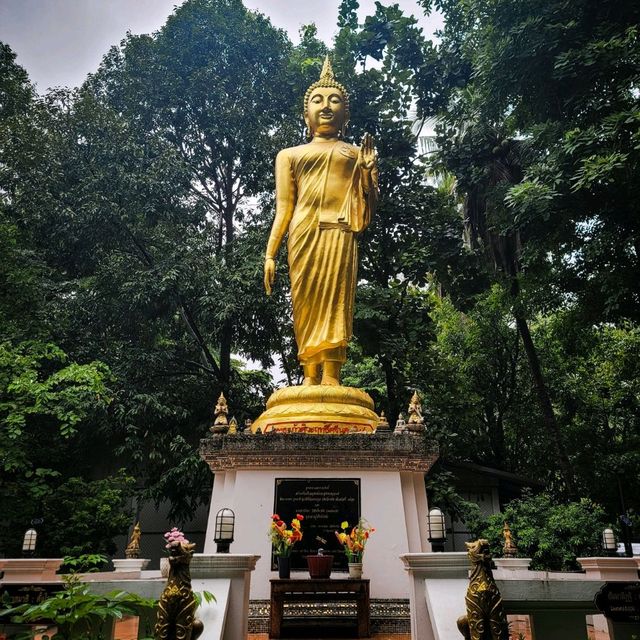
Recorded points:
(59, 41)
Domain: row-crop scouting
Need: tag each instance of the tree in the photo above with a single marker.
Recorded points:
(540, 156)
(562, 78)
(48, 401)
(415, 232)
(140, 235)
(215, 85)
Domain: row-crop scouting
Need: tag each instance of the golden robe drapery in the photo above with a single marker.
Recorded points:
(322, 184)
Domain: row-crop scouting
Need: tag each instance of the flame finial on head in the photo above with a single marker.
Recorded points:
(327, 70)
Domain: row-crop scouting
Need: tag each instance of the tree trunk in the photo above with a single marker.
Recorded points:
(495, 429)
(548, 416)
(226, 334)
(392, 396)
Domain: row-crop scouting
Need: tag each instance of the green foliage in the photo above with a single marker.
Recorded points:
(83, 517)
(552, 534)
(84, 563)
(441, 493)
(37, 380)
(15, 89)
(545, 94)
(77, 613)
(476, 388)
(207, 596)
(45, 405)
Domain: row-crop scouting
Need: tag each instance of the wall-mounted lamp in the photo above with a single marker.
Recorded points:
(437, 532)
(223, 531)
(609, 542)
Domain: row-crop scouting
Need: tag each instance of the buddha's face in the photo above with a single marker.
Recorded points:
(326, 112)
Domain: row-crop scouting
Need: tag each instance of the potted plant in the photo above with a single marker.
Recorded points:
(283, 540)
(354, 544)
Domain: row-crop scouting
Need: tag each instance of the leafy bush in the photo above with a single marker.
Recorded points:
(83, 517)
(77, 613)
(551, 533)
(85, 563)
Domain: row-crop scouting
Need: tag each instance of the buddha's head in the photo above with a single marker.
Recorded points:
(326, 105)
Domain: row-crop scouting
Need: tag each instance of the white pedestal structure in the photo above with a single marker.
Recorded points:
(557, 604)
(128, 565)
(390, 470)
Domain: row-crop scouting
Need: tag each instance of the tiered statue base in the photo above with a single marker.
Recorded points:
(258, 475)
(318, 409)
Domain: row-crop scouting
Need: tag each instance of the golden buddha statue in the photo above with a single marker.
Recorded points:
(220, 423)
(133, 548)
(326, 193)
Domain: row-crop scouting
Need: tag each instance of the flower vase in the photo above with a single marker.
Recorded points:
(284, 567)
(355, 570)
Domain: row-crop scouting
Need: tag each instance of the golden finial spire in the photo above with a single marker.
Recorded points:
(327, 70)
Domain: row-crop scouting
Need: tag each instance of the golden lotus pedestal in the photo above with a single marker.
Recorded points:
(318, 409)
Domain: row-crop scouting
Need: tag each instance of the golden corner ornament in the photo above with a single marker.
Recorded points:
(326, 194)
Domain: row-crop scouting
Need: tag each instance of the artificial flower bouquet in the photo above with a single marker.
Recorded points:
(354, 542)
(282, 538)
(174, 538)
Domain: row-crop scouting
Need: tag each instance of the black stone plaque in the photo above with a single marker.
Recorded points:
(619, 601)
(324, 503)
(16, 594)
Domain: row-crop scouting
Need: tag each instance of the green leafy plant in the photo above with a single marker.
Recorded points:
(76, 612)
(553, 534)
(85, 563)
(207, 596)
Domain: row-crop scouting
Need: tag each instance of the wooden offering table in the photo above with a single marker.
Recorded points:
(319, 591)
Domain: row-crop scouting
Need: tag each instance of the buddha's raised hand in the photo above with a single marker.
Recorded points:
(367, 153)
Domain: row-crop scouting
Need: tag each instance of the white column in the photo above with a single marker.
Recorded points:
(439, 582)
(237, 568)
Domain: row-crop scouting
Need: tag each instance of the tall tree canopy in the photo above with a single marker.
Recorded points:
(134, 213)
(538, 106)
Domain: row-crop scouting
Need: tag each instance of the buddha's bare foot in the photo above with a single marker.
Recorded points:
(311, 374)
(331, 373)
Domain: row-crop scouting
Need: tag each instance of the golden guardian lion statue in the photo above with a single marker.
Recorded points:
(485, 619)
(176, 618)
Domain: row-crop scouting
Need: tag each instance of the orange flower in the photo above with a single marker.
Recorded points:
(282, 538)
(355, 541)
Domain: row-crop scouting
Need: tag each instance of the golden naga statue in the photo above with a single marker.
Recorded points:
(326, 193)
(485, 619)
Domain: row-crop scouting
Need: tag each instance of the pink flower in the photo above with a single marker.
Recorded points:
(173, 537)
